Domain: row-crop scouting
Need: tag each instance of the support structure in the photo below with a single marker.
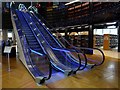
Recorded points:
(90, 37)
(90, 34)
(66, 35)
(119, 36)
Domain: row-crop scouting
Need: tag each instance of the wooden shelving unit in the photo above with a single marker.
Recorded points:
(110, 41)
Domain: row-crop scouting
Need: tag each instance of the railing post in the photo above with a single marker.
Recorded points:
(119, 36)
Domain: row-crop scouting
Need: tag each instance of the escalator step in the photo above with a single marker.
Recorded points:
(33, 43)
(35, 46)
(31, 40)
(27, 32)
(28, 35)
(38, 49)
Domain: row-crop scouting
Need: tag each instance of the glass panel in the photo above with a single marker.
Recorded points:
(41, 62)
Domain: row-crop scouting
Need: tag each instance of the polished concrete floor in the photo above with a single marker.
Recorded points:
(104, 76)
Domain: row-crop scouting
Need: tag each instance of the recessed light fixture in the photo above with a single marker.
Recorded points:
(78, 27)
(72, 28)
(111, 23)
(72, 2)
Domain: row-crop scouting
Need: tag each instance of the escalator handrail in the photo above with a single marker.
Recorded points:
(50, 68)
(78, 52)
(36, 52)
(103, 56)
(64, 49)
(67, 50)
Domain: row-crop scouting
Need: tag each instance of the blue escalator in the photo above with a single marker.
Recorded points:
(38, 43)
(58, 56)
(36, 61)
(53, 43)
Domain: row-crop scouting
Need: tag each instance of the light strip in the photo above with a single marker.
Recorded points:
(36, 52)
(111, 23)
(72, 2)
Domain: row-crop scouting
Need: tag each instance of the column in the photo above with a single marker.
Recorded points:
(90, 37)
(119, 36)
(90, 34)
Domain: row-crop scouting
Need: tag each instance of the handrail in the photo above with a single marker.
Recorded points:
(67, 50)
(64, 49)
(37, 52)
(71, 44)
(50, 69)
(103, 56)
(73, 48)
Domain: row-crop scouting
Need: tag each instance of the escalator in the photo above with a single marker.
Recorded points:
(31, 54)
(36, 42)
(58, 57)
(92, 60)
(59, 51)
(39, 51)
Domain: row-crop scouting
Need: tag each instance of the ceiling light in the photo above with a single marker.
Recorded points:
(111, 27)
(111, 23)
(72, 28)
(78, 27)
(72, 2)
